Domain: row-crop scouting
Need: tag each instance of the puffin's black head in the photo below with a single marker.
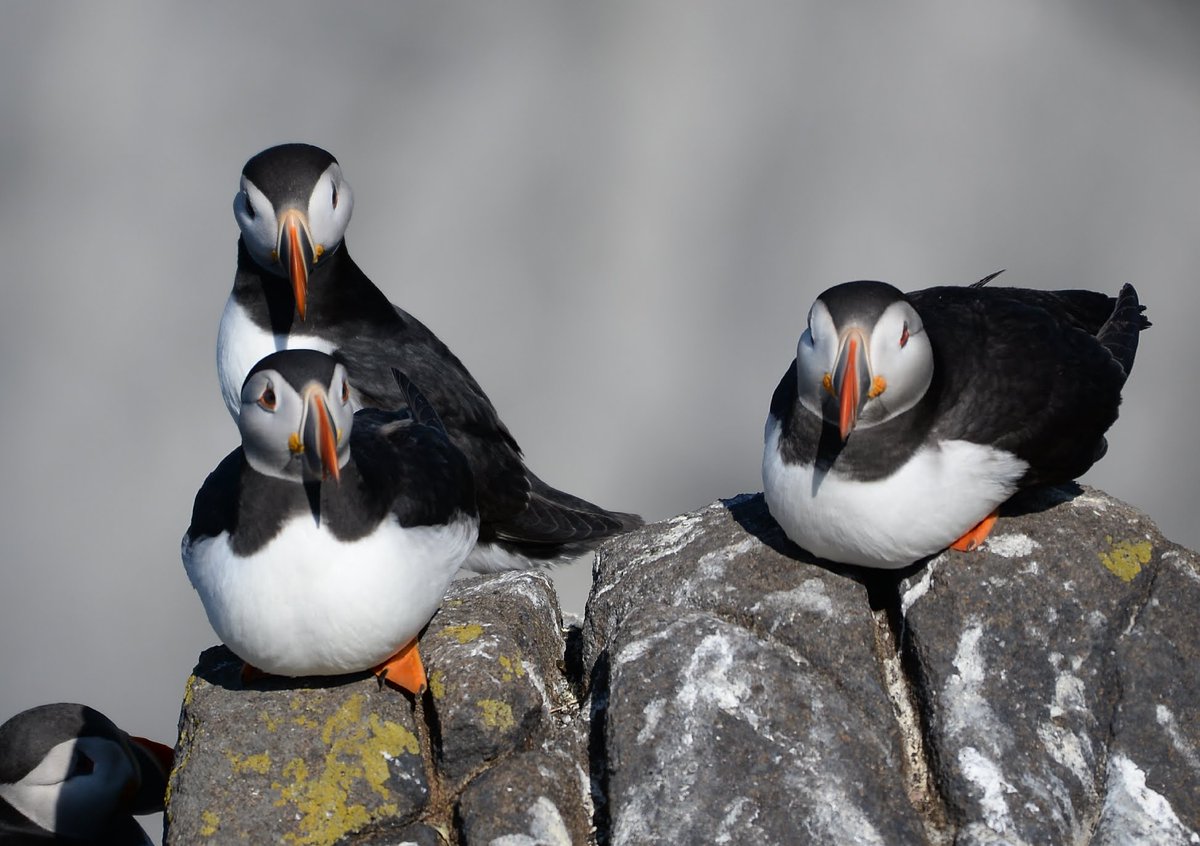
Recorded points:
(293, 209)
(864, 357)
(68, 769)
(296, 416)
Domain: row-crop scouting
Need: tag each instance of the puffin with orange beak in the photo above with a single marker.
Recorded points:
(297, 287)
(324, 544)
(906, 420)
(69, 775)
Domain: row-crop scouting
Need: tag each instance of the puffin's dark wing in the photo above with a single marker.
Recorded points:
(411, 468)
(1025, 371)
(215, 508)
(467, 414)
(554, 518)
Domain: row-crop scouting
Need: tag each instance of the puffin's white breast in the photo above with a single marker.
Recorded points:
(928, 503)
(308, 604)
(242, 343)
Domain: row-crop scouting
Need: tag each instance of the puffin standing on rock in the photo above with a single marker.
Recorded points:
(69, 775)
(324, 544)
(297, 287)
(905, 420)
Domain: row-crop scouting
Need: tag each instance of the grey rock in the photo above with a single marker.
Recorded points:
(495, 653)
(740, 690)
(532, 799)
(1056, 668)
(344, 760)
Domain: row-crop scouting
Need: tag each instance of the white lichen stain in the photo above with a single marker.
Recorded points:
(707, 679)
(1070, 750)
(1164, 717)
(984, 774)
(733, 828)
(1135, 813)
(653, 713)
(1011, 545)
(917, 591)
(969, 711)
(1097, 503)
(546, 828)
(809, 596)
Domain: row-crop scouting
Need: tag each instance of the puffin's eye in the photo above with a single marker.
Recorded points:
(335, 196)
(249, 206)
(345, 391)
(267, 400)
(904, 335)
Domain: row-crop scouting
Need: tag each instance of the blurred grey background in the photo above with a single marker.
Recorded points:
(617, 214)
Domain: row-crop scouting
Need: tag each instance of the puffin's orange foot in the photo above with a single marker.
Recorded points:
(404, 670)
(251, 674)
(977, 535)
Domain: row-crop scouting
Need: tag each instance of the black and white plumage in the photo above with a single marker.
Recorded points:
(906, 419)
(69, 775)
(324, 544)
(297, 287)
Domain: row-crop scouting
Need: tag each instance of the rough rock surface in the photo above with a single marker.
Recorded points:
(1042, 689)
(329, 760)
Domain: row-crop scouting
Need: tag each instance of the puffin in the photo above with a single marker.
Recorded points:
(325, 542)
(69, 775)
(296, 286)
(906, 420)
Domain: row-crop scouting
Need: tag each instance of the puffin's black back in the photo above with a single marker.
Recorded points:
(1037, 373)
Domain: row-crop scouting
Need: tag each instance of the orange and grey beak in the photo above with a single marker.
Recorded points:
(852, 380)
(296, 254)
(155, 760)
(319, 438)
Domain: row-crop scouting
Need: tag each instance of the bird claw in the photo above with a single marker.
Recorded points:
(404, 670)
(974, 538)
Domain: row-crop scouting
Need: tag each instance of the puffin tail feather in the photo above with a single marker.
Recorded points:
(1119, 334)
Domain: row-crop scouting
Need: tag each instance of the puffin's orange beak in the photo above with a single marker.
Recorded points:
(852, 379)
(319, 438)
(296, 253)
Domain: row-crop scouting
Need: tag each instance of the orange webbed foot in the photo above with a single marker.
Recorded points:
(404, 670)
(976, 536)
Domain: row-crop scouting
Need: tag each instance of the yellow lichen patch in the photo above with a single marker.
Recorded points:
(436, 685)
(1125, 558)
(209, 823)
(267, 720)
(511, 668)
(259, 763)
(358, 749)
(463, 634)
(496, 714)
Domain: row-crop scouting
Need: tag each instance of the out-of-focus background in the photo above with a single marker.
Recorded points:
(617, 215)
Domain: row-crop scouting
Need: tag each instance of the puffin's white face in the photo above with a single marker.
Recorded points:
(77, 787)
(859, 376)
(322, 219)
(299, 435)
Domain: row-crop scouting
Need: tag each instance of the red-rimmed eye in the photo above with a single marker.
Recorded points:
(267, 400)
(345, 391)
(335, 196)
(904, 335)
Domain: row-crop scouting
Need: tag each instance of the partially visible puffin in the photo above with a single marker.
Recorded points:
(69, 775)
(905, 420)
